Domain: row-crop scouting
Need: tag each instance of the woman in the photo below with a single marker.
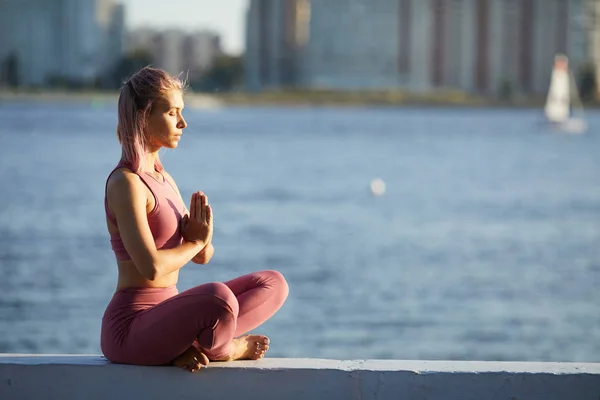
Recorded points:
(153, 235)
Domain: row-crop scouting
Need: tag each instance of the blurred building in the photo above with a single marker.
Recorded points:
(141, 39)
(60, 41)
(480, 46)
(200, 49)
(176, 50)
(592, 24)
(168, 51)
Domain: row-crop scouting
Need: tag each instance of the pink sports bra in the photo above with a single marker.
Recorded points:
(163, 220)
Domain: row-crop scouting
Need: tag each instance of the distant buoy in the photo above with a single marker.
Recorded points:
(377, 187)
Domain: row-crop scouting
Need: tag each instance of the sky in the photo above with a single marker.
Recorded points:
(226, 17)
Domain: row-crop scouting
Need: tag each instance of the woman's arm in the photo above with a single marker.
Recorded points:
(127, 200)
(204, 256)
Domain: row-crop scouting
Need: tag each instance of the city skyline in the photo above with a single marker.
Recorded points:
(489, 47)
(226, 18)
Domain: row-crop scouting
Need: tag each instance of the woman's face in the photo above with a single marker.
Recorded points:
(166, 123)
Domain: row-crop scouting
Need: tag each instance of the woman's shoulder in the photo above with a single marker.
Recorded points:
(123, 179)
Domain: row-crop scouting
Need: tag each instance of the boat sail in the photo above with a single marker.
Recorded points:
(563, 108)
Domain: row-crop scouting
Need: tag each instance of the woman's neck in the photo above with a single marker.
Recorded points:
(149, 161)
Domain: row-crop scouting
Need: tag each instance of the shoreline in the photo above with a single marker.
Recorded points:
(293, 98)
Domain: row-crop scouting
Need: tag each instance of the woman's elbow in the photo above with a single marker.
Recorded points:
(200, 260)
(151, 273)
(205, 255)
(149, 269)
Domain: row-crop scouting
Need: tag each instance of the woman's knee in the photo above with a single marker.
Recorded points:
(277, 281)
(221, 297)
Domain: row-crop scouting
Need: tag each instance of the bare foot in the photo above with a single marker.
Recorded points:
(192, 359)
(248, 347)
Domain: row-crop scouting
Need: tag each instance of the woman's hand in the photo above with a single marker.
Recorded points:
(198, 227)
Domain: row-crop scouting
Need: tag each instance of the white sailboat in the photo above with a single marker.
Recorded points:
(563, 108)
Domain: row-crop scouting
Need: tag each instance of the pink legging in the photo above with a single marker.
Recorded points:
(152, 326)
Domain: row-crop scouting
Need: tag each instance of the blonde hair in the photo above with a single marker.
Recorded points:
(136, 99)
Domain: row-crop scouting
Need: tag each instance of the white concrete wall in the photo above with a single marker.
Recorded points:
(92, 377)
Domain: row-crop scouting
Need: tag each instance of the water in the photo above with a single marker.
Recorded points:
(486, 245)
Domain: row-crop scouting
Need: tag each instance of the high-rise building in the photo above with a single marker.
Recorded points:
(200, 49)
(177, 51)
(168, 50)
(141, 39)
(480, 46)
(71, 41)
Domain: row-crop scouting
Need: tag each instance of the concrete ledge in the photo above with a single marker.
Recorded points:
(92, 377)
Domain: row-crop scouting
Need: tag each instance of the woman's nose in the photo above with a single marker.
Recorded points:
(182, 123)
